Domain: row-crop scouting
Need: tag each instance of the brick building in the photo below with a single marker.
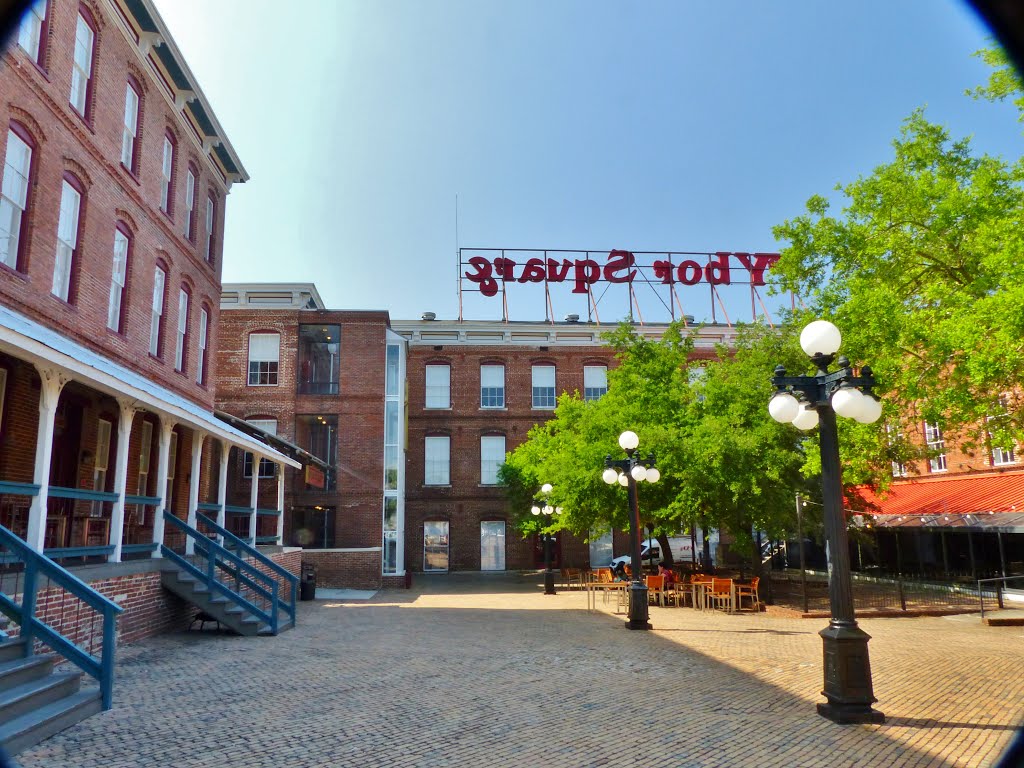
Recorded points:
(421, 415)
(114, 183)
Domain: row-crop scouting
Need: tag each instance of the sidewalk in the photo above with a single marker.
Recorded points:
(487, 671)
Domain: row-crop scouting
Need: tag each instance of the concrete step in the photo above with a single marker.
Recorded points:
(35, 694)
(15, 672)
(12, 649)
(32, 727)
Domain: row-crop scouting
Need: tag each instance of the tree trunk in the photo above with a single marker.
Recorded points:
(666, 550)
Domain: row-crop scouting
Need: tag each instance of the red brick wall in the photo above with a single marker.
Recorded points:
(346, 570)
(64, 142)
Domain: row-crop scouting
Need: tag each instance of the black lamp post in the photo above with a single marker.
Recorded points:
(821, 396)
(628, 472)
(542, 507)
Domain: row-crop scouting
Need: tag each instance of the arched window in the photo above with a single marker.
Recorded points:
(130, 130)
(33, 31)
(211, 226)
(82, 64)
(264, 357)
(190, 202)
(118, 304)
(14, 196)
(167, 174)
(181, 338)
(204, 329)
(65, 266)
(156, 322)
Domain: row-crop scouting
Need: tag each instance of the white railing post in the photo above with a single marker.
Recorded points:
(51, 382)
(124, 437)
(280, 504)
(222, 488)
(193, 486)
(163, 459)
(254, 493)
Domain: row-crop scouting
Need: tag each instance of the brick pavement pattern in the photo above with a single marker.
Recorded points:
(487, 671)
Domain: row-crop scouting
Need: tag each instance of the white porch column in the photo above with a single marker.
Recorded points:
(51, 382)
(254, 493)
(193, 486)
(222, 485)
(163, 459)
(280, 504)
(124, 436)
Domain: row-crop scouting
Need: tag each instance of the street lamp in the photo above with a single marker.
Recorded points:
(542, 507)
(628, 472)
(806, 402)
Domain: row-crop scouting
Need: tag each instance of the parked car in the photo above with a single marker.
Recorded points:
(650, 551)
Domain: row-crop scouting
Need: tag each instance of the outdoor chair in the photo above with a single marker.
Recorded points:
(720, 594)
(656, 589)
(748, 591)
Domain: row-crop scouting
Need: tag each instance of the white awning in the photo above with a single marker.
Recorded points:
(28, 340)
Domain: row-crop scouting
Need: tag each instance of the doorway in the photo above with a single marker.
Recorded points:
(492, 545)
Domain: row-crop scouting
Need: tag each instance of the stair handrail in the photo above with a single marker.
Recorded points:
(251, 551)
(1000, 584)
(208, 546)
(33, 628)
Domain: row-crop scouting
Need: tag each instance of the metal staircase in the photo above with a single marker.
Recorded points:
(230, 580)
(46, 605)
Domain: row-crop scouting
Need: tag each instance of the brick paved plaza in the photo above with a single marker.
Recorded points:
(486, 671)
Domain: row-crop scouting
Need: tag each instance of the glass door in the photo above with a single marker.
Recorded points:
(435, 545)
(492, 545)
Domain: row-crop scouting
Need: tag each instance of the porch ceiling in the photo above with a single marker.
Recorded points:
(28, 340)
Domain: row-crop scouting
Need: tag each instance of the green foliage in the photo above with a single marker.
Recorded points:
(1004, 82)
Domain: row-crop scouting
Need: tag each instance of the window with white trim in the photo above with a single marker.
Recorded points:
(438, 384)
(895, 436)
(544, 386)
(492, 456)
(166, 175)
(595, 381)
(190, 203)
(492, 386)
(156, 319)
(118, 273)
(264, 357)
(211, 218)
(437, 460)
(130, 130)
(3, 394)
(179, 344)
(30, 33)
(936, 447)
(14, 197)
(204, 321)
(101, 463)
(1001, 456)
(67, 240)
(266, 466)
(145, 449)
(81, 70)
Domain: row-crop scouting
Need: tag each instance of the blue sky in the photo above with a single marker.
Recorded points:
(580, 125)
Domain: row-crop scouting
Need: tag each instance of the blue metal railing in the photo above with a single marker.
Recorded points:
(252, 590)
(247, 550)
(35, 627)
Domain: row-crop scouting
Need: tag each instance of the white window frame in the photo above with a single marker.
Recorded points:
(118, 274)
(81, 67)
(204, 322)
(31, 29)
(172, 461)
(14, 196)
(544, 395)
(935, 441)
(1002, 457)
(3, 394)
(266, 465)
(130, 130)
(437, 457)
(179, 344)
(190, 203)
(438, 386)
(157, 314)
(67, 239)
(447, 535)
(488, 376)
(166, 175)
(211, 216)
(591, 392)
(275, 359)
(899, 469)
(145, 451)
(489, 450)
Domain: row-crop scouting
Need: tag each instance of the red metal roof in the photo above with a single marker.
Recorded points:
(953, 495)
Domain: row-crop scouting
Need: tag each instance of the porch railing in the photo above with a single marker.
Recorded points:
(47, 604)
(996, 589)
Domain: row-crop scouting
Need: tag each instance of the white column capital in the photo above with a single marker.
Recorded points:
(51, 382)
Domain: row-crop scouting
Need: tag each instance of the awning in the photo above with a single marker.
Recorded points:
(993, 501)
(290, 449)
(28, 340)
